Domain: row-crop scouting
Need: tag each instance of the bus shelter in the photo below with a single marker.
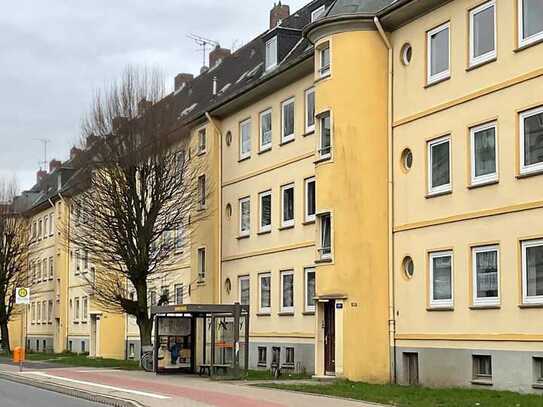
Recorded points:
(199, 338)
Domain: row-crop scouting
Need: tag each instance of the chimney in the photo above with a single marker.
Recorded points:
(217, 55)
(143, 105)
(54, 165)
(74, 152)
(214, 85)
(278, 12)
(182, 79)
(40, 175)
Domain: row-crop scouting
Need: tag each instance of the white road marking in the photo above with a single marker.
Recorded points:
(102, 386)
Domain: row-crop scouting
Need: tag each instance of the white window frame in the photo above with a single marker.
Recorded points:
(52, 224)
(288, 137)
(240, 279)
(177, 287)
(261, 309)
(445, 187)
(242, 201)
(84, 309)
(483, 179)
(247, 154)
(45, 226)
(324, 70)
(271, 54)
(202, 265)
(202, 136)
(289, 222)
(50, 311)
(528, 169)
(440, 303)
(477, 60)
(474, 252)
(320, 117)
(309, 128)
(202, 190)
(444, 74)
(77, 309)
(322, 255)
(308, 217)
(534, 299)
(268, 146)
(284, 308)
(307, 270)
(523, 42)
(264, 228)
(318, 13)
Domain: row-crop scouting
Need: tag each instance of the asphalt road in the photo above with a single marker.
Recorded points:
(19, 395)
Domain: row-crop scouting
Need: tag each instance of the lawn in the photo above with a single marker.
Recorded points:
(416, 396)
(71, 359)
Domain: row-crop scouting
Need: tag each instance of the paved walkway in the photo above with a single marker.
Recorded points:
(175, 390)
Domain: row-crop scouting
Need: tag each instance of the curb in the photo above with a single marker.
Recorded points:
(69, 391)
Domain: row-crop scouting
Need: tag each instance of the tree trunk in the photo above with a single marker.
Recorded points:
(145, 325)
(4, 332)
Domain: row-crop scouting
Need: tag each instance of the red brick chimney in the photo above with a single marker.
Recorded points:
(217, 55)
(54, 165)
(278, 12)
(40, 175)
(182, 78)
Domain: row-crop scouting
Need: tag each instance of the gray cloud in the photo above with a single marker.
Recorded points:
(55, 53)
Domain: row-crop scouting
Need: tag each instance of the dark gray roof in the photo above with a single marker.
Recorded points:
(342, 7)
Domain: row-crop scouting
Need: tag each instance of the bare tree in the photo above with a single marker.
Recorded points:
(14, 248)
(139, 187)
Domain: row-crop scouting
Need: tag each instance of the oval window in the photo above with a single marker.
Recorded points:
(228, 210)
(228, 138)
(406, 54)
(407, 159)
(228, 286)
(408, 267)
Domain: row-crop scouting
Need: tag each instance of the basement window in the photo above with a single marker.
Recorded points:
(482, 368)
(538, 371)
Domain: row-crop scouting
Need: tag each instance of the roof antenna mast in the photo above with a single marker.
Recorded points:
(203, 42)
(44, 142)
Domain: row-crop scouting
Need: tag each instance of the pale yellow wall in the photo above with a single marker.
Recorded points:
(490, 92)
(281, 249)
(410, 95)
(353, 187)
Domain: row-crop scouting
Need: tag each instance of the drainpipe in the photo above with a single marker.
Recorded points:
(67, 291)
(391, 294)
(219, 198)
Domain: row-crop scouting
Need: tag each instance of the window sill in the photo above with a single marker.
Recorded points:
(530, 174)
(308, 133)
(201, 209)
(437, 194)
(262, 364)
(264, 232)
(437, 82)
(286, 314)
(530, 45)
(481, 382)
(308, 313)
(286, 227)
(480, 64)
(322, 78)
(322, 159)
(263, 314)
(264, 150)
(526, 306)
(537, 386)
(483, 184)
(241, 237)
(201, 153)
(244, 159)
(323, 261)
(201, 283)
(287, 366)
(484, 307)
(308, 222)
(439, 309)
(288, 141)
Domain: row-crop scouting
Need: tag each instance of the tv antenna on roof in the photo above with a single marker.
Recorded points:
(44, 143)
(203, 42)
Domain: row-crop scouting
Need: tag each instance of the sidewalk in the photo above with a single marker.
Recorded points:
(150, 390)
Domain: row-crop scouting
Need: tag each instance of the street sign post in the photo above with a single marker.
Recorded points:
(22, 297)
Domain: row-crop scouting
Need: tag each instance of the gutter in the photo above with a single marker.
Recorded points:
(219, 199)
(391, 293)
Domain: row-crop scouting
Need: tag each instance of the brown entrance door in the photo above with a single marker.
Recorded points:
(330, 337)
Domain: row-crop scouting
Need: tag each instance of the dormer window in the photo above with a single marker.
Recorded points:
(318, 13)
(271, 53)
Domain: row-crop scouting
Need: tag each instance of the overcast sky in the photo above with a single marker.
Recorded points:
(55, 53)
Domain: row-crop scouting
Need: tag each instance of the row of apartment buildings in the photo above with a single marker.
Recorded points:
(374, 169)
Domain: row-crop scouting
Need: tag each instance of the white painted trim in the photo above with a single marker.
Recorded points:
(446, 73)
(447, 302)
(474, 252)
(534, 299)
(476, 60)
(527, 169)
(528, 40)
(283, 275)
(445, 187)
(483, 179)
